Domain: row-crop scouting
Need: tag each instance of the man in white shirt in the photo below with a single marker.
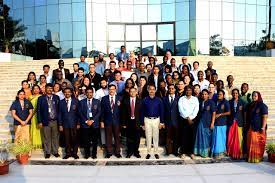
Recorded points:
(103, 91)
(204, 84)
(188, 108)
(46, 72)
(195, 70)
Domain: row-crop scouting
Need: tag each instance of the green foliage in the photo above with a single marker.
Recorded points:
(270, 148)
(21, 147)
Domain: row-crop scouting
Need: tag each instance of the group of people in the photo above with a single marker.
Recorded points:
(185, 109)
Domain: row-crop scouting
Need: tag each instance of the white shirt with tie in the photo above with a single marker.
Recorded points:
(171, 97)
(68, 101)
(114, 99)
(132, 99)
(156, 80)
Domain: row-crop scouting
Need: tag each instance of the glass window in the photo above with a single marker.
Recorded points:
(28, 16)
(227, 28)
(126, 2)
(262, 2)
(89, 14)
(18, 14)
(132, 32)
(215, 28)
(53, 32)
(239, 1)
(113, 16)
(163, 46)
(202, 29)
(202, 10)
(215, 10)
(52, 1)
(261, 31)
(79, 48)
(182, 30)
(168, 12)
(149, 32)
(140, 14)
(17, 4)
(250, 13)
(28, 3)
(79, 31)
(149, 47)
(40, 2)
(192, 29)
(182, 47)
(66, 31)
(116, 32)
(250, 31)
(273, 32)
(99, 31)
(262, 13)
(228, 47)
(192, 13)
(154, 1)
(65, 12)
(114, 47)
(133, 46)
(99, 12)
(126, 13)
(180, 14)
(140, 1)
(66, 49)
(8, 3)
(251, 2)
(89, 30)
(166, 32)
(202, 46)
(52, 15)
(65, 1)
(79, 13)
(273, 14)
(40, 15)
(40, 31)
(239, 30)
(154, 13)
(227, 11)
(30, 33)
(239, 12)
(112, 1)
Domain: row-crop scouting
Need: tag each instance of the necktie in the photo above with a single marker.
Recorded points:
(68, 107)
(112, 103)
(89, 104)
(132, 109)
(172, 100)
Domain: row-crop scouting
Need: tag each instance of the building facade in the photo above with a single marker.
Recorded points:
(69, 28)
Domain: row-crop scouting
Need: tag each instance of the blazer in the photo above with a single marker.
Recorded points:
(68, 119)
(151, 80)
(107, 116)
(84, 113)
(126, 112)
(67, 73)
(171, 117)
(43, 109)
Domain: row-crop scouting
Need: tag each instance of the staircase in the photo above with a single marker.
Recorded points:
(258, 72)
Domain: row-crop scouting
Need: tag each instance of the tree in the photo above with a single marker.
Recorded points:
(215, 45)
(11, 31)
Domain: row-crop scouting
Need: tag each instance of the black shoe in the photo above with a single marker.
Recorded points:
(148, 156)
(76, 157)
(108, 156)
(94, 156)
(128, 156)
(156, 156)
(56, 155)
(86, 157)
(137, 155)
(118, 156)
(176, 154)
(47, 156)
(66, 157)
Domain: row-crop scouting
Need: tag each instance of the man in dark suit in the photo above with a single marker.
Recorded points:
(94, 77)
(110, 117)
(65, 72)
(89, 114)
(171, 118)
(155, 78)
(130, 117)
(47, 113)
(68, 120)
(73, 75)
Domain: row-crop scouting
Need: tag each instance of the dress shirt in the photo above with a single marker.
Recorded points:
(120, 85)
(99, 68)
(69, 103)
(204, 84)
(101, 93)
(195, 74)
(63, 73)
(188, 107)
(152, 107)
(170, 97)
(114, 100)
(60, 94)
(156, 81)
(85, 66)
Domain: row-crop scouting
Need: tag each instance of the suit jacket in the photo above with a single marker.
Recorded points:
(107, 116)
(126, 112)
(151, 80)
(124, 57)
(95, 80)
(68, 119)
(43, 109)
(84, 113)
(67, 73)
(71, 77)
(171, 112)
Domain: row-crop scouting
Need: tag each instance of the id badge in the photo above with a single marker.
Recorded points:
(50, 110)
(90, 114)
(92, 84)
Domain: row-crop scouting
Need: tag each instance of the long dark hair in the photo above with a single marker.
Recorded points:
(28, 78)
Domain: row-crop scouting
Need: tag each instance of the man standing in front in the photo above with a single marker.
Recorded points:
(188, 108)
(152, 116)
(68, 120)
(89, 114)
(110, 117)
(47, 112)
(65, 72)
(83, 64)
(122, 55)
(130, 117)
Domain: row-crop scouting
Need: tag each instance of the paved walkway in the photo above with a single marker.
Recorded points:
(197, 173)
